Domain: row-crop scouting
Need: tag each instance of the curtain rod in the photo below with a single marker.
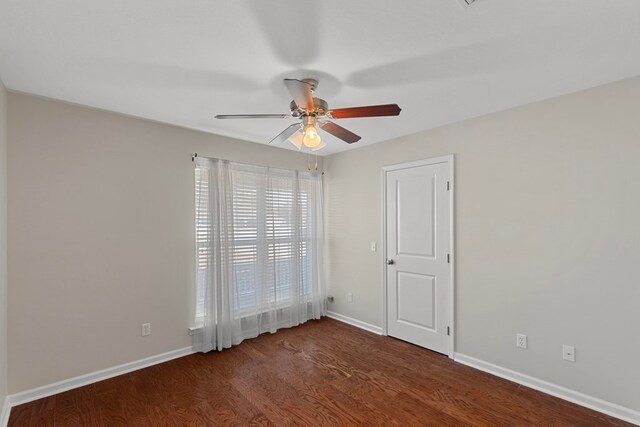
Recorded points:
(194, 155)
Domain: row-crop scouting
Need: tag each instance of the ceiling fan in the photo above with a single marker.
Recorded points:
(315, 112)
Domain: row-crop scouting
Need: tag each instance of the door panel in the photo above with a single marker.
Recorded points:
(416, 299)
(418, 241)
(414, 197)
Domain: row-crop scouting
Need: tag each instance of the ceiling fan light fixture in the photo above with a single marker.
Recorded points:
(311, 137)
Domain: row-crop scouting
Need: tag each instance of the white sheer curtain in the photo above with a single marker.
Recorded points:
(259, 251)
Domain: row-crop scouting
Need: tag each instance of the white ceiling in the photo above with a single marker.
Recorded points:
(182, 62)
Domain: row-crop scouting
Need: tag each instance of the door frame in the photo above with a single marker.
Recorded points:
(385, 170)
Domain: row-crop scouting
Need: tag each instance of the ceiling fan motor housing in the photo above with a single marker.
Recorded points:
(320, 108)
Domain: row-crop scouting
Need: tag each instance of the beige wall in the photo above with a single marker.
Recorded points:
(548, 235)
(3, 242)
(101, 236)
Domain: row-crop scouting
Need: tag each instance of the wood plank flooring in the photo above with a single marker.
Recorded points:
(321, 373)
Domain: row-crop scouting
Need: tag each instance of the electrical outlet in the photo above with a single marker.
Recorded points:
(569, 353)
(146, 329)
(374, 247)
(521, 341)
(349, 297)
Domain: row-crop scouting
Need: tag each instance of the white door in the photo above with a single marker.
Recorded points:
(418, 239)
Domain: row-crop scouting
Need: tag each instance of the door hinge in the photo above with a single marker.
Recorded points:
(448, 258)
(448, 185)
(448, 330)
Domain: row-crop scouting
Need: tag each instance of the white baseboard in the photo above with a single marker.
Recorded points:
(71, 383)
(6, 410)
(578, 398)
(354, 322)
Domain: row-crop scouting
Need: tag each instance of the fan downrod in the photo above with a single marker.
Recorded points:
(311, 82)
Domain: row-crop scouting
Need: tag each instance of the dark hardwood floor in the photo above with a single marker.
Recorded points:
(321, 373)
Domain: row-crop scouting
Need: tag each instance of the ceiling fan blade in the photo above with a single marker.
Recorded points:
(252, 116)
(368, 111)
(340, 132)
(301, 93)
(285, 134)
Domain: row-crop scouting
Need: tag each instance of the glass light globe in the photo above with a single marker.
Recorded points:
(311, 138)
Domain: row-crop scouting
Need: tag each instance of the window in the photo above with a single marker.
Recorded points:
(271, 230)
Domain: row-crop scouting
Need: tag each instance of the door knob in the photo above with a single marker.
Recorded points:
(389, 261)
